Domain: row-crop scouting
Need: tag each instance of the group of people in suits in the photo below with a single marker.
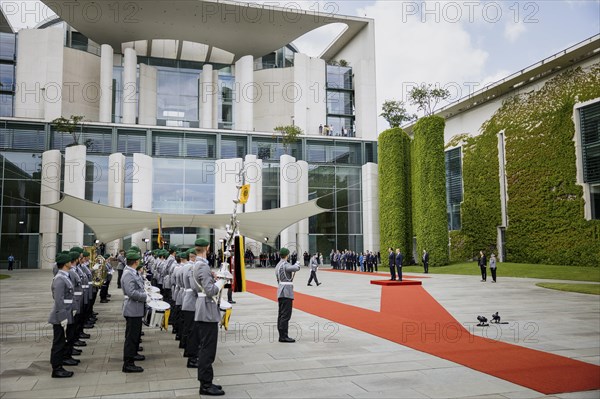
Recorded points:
(74, 296)
(350, 260)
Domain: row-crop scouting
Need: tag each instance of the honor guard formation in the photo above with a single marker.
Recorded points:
(160, 288)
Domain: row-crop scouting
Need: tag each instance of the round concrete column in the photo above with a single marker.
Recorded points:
(142, 191)
(129, 86)
(289, 175)
(245, 94)
(208, 89)
(106, 81)
(75, 159)
(49, 194)
(302, 197)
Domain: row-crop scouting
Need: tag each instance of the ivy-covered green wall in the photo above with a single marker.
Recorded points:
(480, 209)
(429, 189)
(545, 205)
(395, 212)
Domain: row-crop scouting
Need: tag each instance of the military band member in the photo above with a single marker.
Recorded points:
(207, 319)
(188, 309)
(284, 272)
(178, 292)
(133, 311)
(61, 316)
(74, 329)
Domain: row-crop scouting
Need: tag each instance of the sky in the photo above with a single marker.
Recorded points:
(458, 45)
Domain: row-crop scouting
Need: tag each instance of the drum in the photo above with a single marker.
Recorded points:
(155, 296)
(155, 313)
(153, 289)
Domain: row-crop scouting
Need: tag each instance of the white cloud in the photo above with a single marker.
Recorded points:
(410, 52)
(512, 30)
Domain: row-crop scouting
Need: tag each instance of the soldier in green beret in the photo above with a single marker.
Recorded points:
(284, 271)
(207, 317)
(133, 311)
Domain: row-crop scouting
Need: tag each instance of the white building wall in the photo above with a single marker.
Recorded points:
(273, 106)
(129, 87)
(226, 181)
(116, 192)
(81, 87)
(245, 94)
(148, 98)
(370, 201)
(360, 53)
(290, 174)
(141, 199)
(470, 121)
(302, 197)
(253, 177)
(74, 184)
(39, 74)
(49, 194)
(106, 81)
(310, 105)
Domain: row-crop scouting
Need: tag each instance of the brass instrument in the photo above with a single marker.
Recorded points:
(99, 271)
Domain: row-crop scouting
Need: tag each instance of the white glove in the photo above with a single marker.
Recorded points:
(74, 313)
(220, 283)
(148, 298)
(64, 323)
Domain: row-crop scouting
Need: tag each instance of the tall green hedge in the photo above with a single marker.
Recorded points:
(429, 189)
(395, 210)
(545, 205)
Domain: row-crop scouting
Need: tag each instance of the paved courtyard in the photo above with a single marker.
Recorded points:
(328, 361)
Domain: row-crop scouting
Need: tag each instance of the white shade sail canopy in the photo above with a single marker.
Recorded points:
(111, 223)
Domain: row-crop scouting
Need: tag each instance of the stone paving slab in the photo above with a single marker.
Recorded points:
(328, 361)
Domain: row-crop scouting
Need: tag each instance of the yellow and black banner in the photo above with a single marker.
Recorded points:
(239, 269)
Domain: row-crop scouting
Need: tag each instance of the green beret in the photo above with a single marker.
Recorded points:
(76, 249)
(201, 242)
(86, 253)
(191, 251)
(182, 254)
(62, 259)
(284, 252)
(132, 255)
(74, 255)
(134, 248)
(64, 252)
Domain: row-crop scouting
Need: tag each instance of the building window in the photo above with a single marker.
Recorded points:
(20, 136)
(131, 142)
(588, 117)
(454, 187)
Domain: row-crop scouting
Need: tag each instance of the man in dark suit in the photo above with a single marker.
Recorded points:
(392, 263)
(399, 263)
(426, 261)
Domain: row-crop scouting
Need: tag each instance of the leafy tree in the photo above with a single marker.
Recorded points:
(427, 97)
(289, 135)
(344, 63)
(394, 112)
(69, 126)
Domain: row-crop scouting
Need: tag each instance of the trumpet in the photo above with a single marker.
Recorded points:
(99, 271)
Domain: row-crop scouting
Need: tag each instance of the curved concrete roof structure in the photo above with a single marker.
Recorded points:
(240, 28)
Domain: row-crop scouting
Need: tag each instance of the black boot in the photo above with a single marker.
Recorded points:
(192, 363)
(130, 367)
(60, 372)
(211, 390)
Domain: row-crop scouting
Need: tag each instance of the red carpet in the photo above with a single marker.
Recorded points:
(410, 316)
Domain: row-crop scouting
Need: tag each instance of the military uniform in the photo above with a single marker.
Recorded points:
(206, 322)
(60, 317)
(133, 311)
(314, 265)
(188, 308)
(285, 294)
